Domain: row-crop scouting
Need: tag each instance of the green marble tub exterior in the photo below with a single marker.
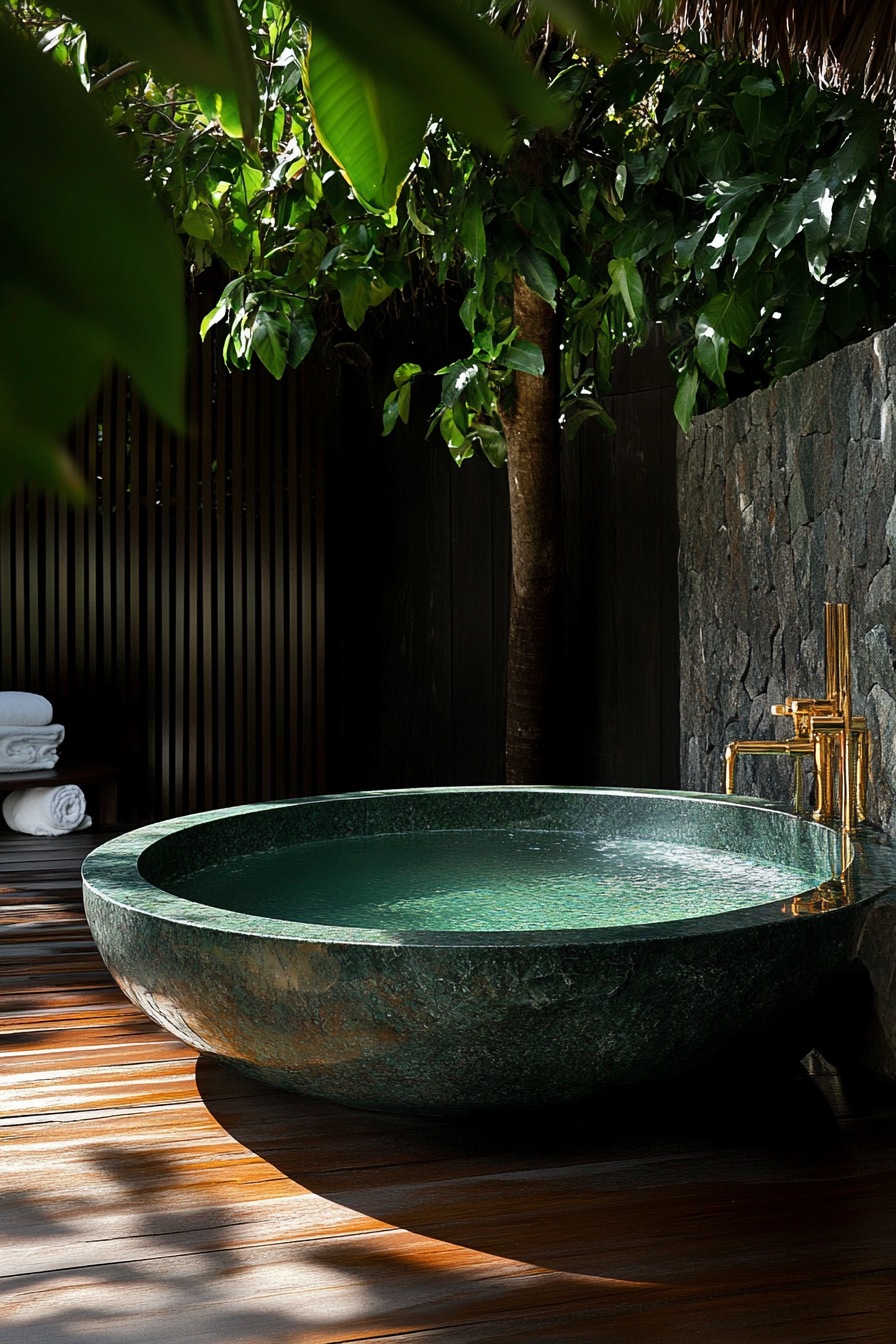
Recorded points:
(454, 1022)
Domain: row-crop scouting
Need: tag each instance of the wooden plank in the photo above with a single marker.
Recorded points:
(150, 1197)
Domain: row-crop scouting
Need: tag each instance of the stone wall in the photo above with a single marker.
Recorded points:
(787, 499)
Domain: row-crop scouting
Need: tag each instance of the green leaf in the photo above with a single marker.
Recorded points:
(852, 218)
(443, 59)
(751, 233)
(793, 335)
(372, 129)
(472, 232)
(468, 310)
(404, 401)
(524, 356)
(405, 372)
(762, 115)
(686, 397)
(302, 331)
(759, 86)
(201, 221)
(626, 282)
(492, 442)
(787, 218)
(211, 319)
(223, 108)
(536, 270)
(845, 308)
(416, 220)
(586, 408)
(390, 413)
(730, 314)
(860, 148)
(203, 42)
(270, 341)
(719, 156)
(455, 378)
(686, 248)
(712, 352)
(354, 291)
(87, 237)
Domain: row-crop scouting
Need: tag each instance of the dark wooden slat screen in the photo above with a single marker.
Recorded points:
(175, 624)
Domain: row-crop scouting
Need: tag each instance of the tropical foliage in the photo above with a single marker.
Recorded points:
(108, 284)
(754, 215)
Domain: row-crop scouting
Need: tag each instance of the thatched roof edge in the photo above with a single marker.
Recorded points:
(842, 41)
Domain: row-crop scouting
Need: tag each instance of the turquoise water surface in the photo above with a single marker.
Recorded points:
(490, 881)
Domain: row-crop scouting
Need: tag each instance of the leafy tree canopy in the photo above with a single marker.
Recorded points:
(108, 284)
(754, 215)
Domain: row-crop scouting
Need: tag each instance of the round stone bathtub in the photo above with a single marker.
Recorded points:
(531, 970)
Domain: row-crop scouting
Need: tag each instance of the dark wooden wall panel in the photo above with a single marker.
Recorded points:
(622, 610)
(423, 549)
(225, 633)
(170, 623)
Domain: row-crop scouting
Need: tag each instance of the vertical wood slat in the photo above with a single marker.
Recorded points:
(238, 637)
(166, 643)
(222, 579)
(318, 638)
(264, 695)
(250, 608)
(279, 585)
(190, 581)
(294, 592)
(305, 672)
(207, 518)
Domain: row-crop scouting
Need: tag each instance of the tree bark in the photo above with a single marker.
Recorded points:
(535, 652)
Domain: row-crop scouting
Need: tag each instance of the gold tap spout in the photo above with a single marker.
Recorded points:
(824, 730)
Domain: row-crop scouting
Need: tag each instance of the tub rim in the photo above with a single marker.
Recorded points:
(111, 874)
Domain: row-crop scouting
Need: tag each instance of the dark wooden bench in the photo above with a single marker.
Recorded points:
(97, 781)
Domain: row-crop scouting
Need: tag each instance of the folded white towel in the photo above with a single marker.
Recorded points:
(52, 811)
(23, 748)
(21, 707)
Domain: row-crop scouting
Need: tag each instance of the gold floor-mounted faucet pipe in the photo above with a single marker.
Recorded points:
(826, 732)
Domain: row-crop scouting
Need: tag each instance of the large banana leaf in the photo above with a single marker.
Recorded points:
(449, 62)
(92, 270)
(372, 129)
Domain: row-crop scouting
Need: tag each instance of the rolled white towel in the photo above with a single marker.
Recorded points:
(51, 811)
(25, 709)
(23, 748)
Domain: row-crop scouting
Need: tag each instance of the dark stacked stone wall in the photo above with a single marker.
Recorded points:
(787, 499)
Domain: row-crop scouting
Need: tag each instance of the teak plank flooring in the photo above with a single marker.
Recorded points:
(152, 1197)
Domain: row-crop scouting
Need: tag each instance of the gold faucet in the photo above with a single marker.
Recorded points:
(826, 731)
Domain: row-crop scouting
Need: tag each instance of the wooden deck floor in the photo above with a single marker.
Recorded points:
(151, 1197)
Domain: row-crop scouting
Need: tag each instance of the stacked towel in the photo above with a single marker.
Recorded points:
(25, 709)
(46, 811)
(29, 740)
(23, 748)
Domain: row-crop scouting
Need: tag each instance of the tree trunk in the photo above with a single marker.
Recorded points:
(535, 654)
